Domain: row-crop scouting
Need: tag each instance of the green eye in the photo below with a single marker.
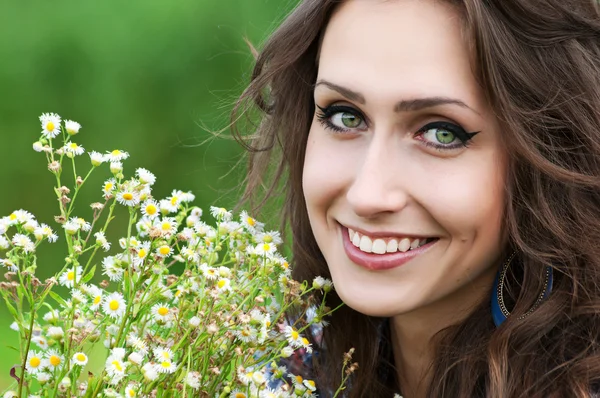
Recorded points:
(349, 120)
(444, 136)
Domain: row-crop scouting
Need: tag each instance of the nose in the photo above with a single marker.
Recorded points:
(378, 186)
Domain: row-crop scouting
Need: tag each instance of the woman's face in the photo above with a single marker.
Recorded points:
(404, 160)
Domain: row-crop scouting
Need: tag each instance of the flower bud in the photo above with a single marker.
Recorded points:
(116, 167)
(38, 146)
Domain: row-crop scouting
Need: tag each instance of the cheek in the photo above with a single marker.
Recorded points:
(469, 201)
(324, 171)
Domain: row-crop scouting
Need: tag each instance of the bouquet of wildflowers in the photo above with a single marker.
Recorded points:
(214, 329)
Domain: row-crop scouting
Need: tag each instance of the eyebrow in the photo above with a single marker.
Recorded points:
(410, 105)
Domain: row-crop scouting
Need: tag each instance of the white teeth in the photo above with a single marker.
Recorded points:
(356, 240)
(365, 244)
(404, 245)
(392, 246)
(379, 246)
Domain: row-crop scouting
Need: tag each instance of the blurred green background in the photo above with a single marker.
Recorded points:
(142, 76)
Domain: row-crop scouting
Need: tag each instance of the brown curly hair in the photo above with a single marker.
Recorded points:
(538, 61)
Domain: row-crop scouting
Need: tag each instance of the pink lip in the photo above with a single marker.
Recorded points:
(378, 262)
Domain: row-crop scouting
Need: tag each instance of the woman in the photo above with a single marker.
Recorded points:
(441, 162)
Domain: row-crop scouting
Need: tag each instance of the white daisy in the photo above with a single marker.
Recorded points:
(168, 226)
(72, 127)
(150, 208)
(20, 240)
(145, 176)
(96, 158)
(101, 241)
(166, 207)
(40, 341)
(128, 198)
(162, 354)
(220, 213)
(71, 227)
(116, 155)
(50, 125)
(114, 305)
(209, 273)
(164, 251)
(53, 359)
(115, 366)
(96, 295)
(79, 358)
(109, 187)
(9, 265)
(161, 313)
(130, 392)
(73, 149)
(166, 366)
(35, 362)
(70, 276)
(44, 231)
(223, 285)
(83, 225)
(265, 249)
(292, 336)
(250, 222)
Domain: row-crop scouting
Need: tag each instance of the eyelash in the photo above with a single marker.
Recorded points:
(324, 115)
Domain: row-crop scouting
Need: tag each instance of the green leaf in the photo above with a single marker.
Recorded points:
(58, 299)
(89, 275)
(11, 309)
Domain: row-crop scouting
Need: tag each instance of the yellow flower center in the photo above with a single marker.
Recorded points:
(109, 186)
(114, 305)
(221, 283)
(54, 360)
(165, 364)
(299, 379)
(116, 152)
(266, 247)
(34, 362)
(245, 332)
(285, 265)
(73, 145)
(117, 365)
(71, 275)
(178, 292)
(13, 217)
(166, 355)
(50, 126)
(240, 395)
(163, 311)
(97, 300)
(166, 226)
(174, 200)
(142, 253)
(305, 341)
(311, 383)
(80, 357)
(151, 209)
(164, 250)
(294, 335)
(131, 393)
(251, 221)
(127, 196)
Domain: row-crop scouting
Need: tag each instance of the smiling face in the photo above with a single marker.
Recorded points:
(404, 150)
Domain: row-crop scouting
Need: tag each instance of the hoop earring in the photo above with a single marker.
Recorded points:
(499, 310)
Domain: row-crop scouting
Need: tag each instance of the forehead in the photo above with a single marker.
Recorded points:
(398, 47)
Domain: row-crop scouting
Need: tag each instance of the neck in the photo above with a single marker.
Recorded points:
(412, 334)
